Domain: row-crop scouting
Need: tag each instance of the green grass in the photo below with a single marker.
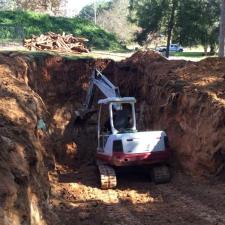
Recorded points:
(36, 24)
(187, 54)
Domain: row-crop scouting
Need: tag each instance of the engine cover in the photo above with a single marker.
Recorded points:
(136, 148)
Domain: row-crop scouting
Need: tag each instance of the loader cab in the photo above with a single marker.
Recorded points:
(116, 115)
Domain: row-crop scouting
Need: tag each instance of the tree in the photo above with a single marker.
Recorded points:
(115, 20)
(188, 22)
(222, 29)
(208, 24)
(112, 16)
(171, 25)
(197, 23)
(87, 12)
(154, 16)
(7, 4)
(54, 7)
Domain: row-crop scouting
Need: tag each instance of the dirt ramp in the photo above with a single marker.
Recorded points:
(185, 99)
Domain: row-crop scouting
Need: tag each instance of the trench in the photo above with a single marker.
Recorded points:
(63, 161)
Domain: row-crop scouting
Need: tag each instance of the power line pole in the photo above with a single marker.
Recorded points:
(95, 11)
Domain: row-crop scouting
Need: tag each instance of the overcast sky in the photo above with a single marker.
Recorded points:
(77, 5)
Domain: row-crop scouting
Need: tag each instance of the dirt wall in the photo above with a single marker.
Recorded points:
(34, 88)
(24, 187)
(185, 99)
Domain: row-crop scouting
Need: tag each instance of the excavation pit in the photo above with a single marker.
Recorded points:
(186, 99)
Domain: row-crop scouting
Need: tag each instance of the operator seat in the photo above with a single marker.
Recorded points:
(121, 119)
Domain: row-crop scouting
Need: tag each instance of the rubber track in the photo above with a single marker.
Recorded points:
(107, 176)
(161, 174)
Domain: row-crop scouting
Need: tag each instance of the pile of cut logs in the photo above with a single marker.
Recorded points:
(56, 42)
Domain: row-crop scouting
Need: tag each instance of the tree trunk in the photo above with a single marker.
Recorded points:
(222, 29)
(205, 49)
(212, 49)
(170, 27)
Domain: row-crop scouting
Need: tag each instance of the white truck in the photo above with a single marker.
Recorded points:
(172, 48)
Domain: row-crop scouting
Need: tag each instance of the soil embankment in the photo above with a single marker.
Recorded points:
(34, 89)
(24, 187)
(184, 98)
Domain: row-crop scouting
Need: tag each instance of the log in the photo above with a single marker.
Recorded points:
(57, 42)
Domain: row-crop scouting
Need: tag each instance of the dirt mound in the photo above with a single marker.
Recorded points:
(146, 57)
(207, 75)
(185, 99)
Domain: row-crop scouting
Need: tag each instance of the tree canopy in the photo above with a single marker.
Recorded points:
(87, 12)
(112, 16)
(54, 7)
(197, 22)
(189, 22)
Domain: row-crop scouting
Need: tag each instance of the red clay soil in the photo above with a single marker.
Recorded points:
(24, 186)
(32, 88)
(185, 99)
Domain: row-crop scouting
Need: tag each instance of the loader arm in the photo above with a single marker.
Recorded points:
(98, 80)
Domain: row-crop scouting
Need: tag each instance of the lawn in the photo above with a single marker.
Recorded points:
(24, 24)
(188, 54)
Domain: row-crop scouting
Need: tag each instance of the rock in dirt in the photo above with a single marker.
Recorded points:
(84, 215)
